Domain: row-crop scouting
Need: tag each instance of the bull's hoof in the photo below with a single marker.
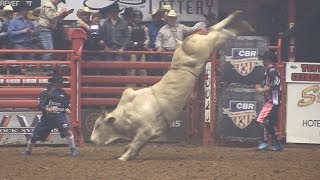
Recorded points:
(122, 159)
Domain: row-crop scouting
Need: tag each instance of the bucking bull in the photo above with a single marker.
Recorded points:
(145, 114)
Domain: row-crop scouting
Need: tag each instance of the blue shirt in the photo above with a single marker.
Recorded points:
(16, 27)
(153, 32)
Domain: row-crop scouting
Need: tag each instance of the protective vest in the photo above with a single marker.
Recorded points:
(137, 36)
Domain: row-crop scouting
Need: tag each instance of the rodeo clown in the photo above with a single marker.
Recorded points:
(267, 118)
(54, 103)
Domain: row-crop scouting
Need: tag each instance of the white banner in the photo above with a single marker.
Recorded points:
(303, 72)
(188, 10)
(303, 117)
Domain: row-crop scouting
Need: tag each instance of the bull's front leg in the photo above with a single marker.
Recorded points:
(135, 146)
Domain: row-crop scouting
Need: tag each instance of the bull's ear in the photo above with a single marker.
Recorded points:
(111, 120)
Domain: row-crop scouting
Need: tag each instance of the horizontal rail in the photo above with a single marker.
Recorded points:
(34, 51)
(33, 62)
(122, 65)
(18, 103)
(20, 91)
(120, 79)
(99, 101)
(102, 90)
(129, 52)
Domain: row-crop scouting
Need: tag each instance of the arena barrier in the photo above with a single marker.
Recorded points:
(92, 85)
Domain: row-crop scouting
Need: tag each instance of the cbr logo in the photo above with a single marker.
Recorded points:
(241, 112)
(244, 60)
(309, 96)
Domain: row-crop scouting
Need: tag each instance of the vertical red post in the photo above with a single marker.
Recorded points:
(77, 37)
(291, 24)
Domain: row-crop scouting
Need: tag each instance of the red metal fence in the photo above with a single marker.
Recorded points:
(97, 89)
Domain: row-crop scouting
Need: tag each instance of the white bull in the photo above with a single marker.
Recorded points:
(145, 114)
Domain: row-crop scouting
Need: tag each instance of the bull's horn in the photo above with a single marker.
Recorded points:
(225, 21)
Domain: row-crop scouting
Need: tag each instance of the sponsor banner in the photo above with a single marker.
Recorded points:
(17, 127)
(303, 120)
(239, 60)
(241, 112)
(207, 91)
(244, 60)
(302, 72)
(14, 3)
(187, 10)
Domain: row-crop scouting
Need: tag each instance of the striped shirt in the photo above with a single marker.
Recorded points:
(166, 35)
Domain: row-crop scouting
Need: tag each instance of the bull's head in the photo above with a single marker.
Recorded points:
(104, 131)
(197, 48)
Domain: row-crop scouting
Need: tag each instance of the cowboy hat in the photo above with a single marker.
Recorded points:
(166, 7)
(57, 78)
(84, 10)
(7, 8)
(172, 13)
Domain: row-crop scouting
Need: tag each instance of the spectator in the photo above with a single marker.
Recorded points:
(48, 21)
(210, 20)
(92, 30)
(21, 31)
(96, 18)
(84, 19)
(35, 13)
(6, 13)
(153, 27)
(116, 35)
(139, 40)
(169, 33)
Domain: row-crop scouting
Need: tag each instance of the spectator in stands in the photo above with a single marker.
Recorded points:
(54, 103)
(6, 13)
(21, 31)
(93, 31)
(48, 21)
(35, 13)
(169, 33)
(271, 89)
(96, 18)
(116, 35)
(210, 20)
(126, 15)
(153, 27)
(84, 19)
(139, 40)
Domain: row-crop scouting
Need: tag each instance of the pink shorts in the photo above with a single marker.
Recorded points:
(265, 112)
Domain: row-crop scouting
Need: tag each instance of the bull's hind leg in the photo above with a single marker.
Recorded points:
(137, 143)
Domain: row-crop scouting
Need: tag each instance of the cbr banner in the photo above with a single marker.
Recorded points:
(303, 103)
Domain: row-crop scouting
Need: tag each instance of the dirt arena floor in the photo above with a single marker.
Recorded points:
(162, 161)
